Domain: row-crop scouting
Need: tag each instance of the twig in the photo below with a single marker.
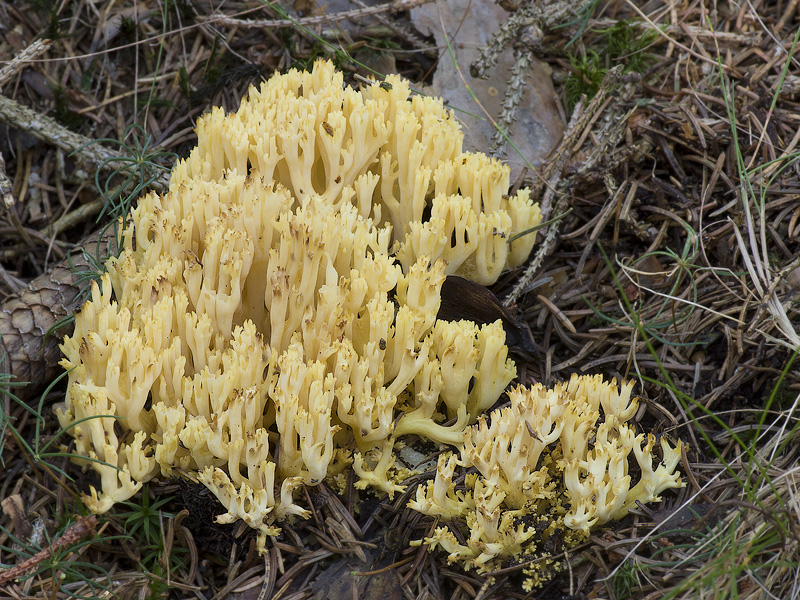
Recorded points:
(81, 528)
(550, 178)
(6, 187)
(697, 33)
(6, 73)
(70, 219)
(31, 53)
(672, 40)
(396, 6)
(413, 39)
(553, 172)
(44, 128)
(523, 57)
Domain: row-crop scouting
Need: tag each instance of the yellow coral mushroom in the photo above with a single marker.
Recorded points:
(545, 457)
(271, 320)
(258, 332)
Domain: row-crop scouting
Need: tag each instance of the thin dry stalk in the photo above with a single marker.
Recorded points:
(83, 527)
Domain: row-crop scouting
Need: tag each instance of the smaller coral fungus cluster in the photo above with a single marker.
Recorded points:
(545, 463)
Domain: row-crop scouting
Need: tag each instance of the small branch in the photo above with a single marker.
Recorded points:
(31, 53)
(396, 6)
(399, 29)
(82, 528)
(6, 73)
(550, 180)
(44, 128)
(515, 88)
(6, 186)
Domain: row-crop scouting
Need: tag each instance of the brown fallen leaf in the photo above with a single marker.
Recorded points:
(464, 299)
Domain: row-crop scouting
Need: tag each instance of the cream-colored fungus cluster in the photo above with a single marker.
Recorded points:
(271, 321)
(257, 331)
(545, 462)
